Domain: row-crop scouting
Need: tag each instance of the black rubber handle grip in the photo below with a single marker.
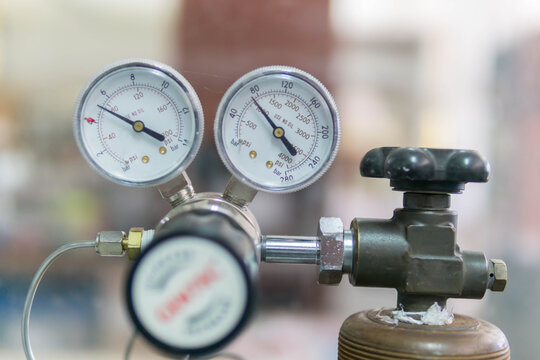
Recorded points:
(425, 169)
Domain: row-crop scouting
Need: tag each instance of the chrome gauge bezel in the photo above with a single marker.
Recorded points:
(185, 86)
(237, 86)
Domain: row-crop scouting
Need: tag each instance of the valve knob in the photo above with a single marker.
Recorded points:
(425, 169)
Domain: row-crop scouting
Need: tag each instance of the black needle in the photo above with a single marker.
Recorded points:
(278, 132)
(138, 125)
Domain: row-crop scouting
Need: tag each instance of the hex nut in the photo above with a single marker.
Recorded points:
(109, 243)
(332, 253)
(499, 274)
(134, 242)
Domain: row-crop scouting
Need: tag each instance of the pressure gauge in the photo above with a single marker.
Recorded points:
(138, 123)
(192, 290)
(277, 129)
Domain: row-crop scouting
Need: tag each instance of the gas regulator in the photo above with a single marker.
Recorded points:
(192, 286)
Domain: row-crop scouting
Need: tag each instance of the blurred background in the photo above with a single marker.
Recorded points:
(455, 74)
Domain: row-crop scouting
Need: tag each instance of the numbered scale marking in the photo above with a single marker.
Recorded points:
(277, 129)
(138, 123)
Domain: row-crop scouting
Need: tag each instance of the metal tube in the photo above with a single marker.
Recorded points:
(290, 249)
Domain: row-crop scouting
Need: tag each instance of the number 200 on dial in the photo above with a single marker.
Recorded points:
(277, 129)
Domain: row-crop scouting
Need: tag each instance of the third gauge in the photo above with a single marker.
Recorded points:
(277, 129)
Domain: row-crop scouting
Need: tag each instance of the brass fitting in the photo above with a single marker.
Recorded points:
(132, 244)
(116, 243)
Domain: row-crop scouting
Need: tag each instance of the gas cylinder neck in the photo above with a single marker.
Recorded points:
(417, 303)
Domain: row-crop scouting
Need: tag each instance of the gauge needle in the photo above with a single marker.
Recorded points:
(138, 125)
(278, 132)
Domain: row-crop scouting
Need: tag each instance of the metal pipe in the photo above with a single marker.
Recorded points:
(290, 249)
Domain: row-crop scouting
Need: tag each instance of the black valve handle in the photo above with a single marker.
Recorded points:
(425, 169)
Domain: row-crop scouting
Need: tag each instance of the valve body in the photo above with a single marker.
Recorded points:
(416, 253)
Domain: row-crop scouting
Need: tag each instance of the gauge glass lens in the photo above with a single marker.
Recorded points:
(139, 123)
(189, 293)
(277, 129)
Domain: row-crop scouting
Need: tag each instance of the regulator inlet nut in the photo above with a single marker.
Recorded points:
(498, 275)
(109, 243)
(332, 256)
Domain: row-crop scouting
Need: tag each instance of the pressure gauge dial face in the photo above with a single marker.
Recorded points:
(138, 123)
(188, 295)
(277, 129)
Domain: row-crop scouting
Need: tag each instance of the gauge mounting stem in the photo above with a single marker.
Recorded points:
(238, 193)
(177, 190)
